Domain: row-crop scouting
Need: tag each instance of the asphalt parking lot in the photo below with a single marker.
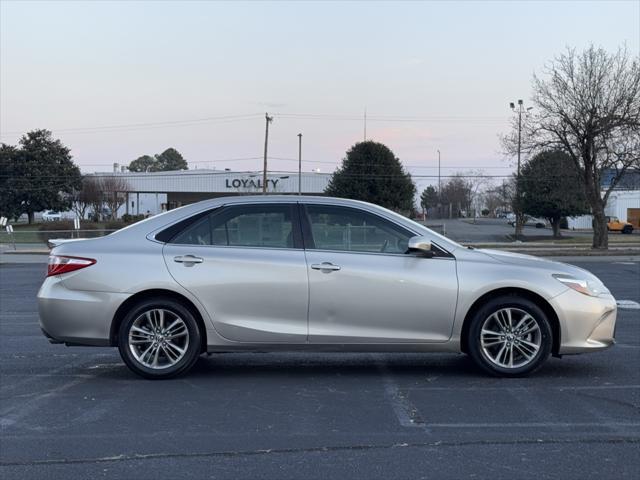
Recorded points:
(68, 413)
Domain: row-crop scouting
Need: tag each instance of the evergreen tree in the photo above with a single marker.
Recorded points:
(372, 173)
(37, 175)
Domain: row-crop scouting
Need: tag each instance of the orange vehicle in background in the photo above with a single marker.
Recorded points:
(615, 225)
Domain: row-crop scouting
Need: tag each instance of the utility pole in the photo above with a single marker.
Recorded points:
(519, 213)
(439, 185)
(266, 144)
(299, 164)
(365, 124)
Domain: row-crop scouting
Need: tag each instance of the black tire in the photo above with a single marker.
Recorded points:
(171, 308)
(544, 335)
(627, 229)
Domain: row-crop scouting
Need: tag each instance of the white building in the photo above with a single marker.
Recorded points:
(624, 204)
(155, 192)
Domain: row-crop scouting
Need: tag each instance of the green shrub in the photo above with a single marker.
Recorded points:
(129, 219)
(114, 225)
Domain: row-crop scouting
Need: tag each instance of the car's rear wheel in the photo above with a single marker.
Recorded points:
(510, 336)
(159, 338)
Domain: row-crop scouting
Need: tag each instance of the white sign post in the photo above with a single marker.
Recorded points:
(3, 221)
(9, 229)
(76, 226)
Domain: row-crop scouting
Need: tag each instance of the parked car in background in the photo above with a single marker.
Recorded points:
(615, 225)
(103, 214)
(529, 221)
(51, 216)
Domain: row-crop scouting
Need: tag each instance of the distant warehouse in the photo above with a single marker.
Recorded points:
(623, 202)
(155, 192)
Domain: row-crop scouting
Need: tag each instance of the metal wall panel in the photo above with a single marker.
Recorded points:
(215, 181)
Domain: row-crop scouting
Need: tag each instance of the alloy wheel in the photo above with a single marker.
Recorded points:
(158, 338)
(510, 338)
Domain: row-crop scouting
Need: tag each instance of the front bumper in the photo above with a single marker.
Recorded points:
(586, 323)
(76, 317)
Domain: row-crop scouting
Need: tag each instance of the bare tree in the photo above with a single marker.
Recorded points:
(82, 198)
(114, 189)
(478, 182)
(457, 194)
(492, 200)
(92, 195)
(588, 105)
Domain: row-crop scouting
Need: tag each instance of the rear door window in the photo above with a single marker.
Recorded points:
(268, 226)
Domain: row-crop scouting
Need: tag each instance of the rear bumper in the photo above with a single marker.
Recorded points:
(76, 317)
(587, 324)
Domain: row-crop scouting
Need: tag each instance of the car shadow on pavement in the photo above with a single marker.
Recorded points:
(329, 365)
(361, 364)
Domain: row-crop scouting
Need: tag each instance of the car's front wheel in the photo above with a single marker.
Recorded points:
(510, 336)
(159, 338)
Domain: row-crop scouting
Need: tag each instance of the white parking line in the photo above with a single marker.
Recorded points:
(628, 305)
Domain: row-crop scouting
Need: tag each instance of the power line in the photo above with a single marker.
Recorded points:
(252, 172)
(330, 162)
(404, 118)
(283, 115)
(138, 126)
(422, 163)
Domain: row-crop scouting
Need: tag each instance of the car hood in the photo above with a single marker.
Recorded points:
(530, 261)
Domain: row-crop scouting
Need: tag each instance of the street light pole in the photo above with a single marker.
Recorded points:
(266, 143)
(299, 164)
(519, 213)
(519, 134)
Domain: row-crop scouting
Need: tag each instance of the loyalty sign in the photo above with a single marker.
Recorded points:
(249, 183)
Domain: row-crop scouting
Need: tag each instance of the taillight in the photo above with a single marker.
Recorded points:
(61, 264)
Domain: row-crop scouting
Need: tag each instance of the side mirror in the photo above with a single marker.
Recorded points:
(421, 245)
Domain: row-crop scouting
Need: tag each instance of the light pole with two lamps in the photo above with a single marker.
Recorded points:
(517, 204)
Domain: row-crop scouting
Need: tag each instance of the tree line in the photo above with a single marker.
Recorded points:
(39, 174)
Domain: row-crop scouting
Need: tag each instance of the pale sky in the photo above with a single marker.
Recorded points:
(445, 72)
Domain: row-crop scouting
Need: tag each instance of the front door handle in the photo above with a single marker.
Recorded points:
(325, 266)
(188, 260)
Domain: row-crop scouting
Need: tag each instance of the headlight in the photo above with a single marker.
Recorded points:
(586, 287)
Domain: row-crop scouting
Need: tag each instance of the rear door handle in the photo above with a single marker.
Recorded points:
(325, 266)
(188, 259)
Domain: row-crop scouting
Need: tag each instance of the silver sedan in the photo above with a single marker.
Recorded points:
(277, 273)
